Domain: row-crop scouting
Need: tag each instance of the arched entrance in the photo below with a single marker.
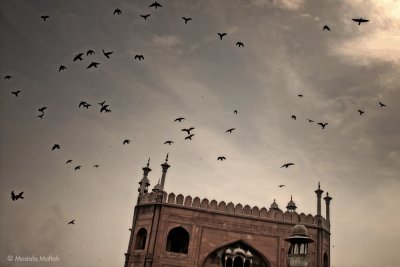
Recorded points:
(236, 254)
(326, 260)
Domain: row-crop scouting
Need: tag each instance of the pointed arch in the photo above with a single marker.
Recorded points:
(140, 241)
(178, 240)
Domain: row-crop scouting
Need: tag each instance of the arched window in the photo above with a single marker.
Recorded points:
(141, 239)
(178, 240)
(326, 261)
(238, 262)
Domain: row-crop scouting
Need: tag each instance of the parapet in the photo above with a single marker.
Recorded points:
(234, 209)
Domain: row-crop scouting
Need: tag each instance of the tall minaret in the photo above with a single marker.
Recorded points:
(144, 183)
(319, 193)
(327, 202)
(319, 230)
(165, 167)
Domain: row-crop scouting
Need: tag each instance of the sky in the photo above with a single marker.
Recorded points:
(189, 72)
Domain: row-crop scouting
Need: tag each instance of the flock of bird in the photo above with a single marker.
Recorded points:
(105, 107)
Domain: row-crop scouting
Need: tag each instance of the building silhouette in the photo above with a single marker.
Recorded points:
(177, 230)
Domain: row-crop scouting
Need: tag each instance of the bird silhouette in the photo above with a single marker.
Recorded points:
(45, 17)
(294, 117)
(235, 111)
(221, 35)
(188, 130)
(139, 57)
(42, 109)
(286, 165)
(360, 20)
(322, 124)
(221, 158)
(126, 141)
(104, 108)
(102, 103)
(189, 137)
(107, 54)
(168, 142)
(230, 130)
(179, 119)
(84, 104)
(90, 52)
(326, 28)
(381, 104)
(93, 64)
(310, 121)
(239, 44)
(77, 167)
(61, 68)
(72, 222)
(155, 5)
(107, 110)
(186, 19)
(117, 11)
(280, 186)
(361, 111)
(55, 146)
(68, 161)
(300, 95)
(16, 93)
(41, 116)
(16, 196)
(7, 77)
(78, 57)
(96, 165)
(145, 16)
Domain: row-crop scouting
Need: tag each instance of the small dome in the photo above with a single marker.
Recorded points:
(228, 251)
(299, 232)
(274, 206)
(299, 229)
(291, 206)
(248, 254)
(157, 187)
(239, 251)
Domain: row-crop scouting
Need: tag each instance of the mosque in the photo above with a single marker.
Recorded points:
(171, 230)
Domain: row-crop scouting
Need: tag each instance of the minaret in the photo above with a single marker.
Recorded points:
(327, 202)
(165, 167)
(144, 183)
(319, 193)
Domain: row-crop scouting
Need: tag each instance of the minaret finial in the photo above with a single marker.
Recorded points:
(291, 197)
(319, 185)
(148, 162)
(166, 159)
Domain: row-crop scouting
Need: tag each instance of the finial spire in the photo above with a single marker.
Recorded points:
(148, 162)
(319, 185)
(166, 159)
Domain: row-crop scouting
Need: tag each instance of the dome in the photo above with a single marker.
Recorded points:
(299, 229)
(274, 206)
(291, 206)
(228, 251)
(157, 187)
(239, 251)
(248, 254)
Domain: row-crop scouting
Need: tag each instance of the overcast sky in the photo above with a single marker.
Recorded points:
(188, 71)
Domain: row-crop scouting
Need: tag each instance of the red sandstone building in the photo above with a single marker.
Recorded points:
(170, 230)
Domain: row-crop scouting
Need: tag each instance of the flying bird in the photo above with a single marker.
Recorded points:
(7, 77)
(230, 130)
(102, 103)
(168, 142)
(145, 16)
(235, 111)
(117, 11)
(78, 57)
(361, 111)
(96, 166)
(221, 35)
(310, 121)
(188, 130)
(221, 158)
(68, 161)
(179, 119)
(189, 137)
(90, 52)
(78, 167)
(126, 141)
(326, 28)
(107, 110)
(104, 108)
(300, 95)
(286, 165)
(381, 104)
(139, 57)
(84, 104)
(280, 186)
(44, 17)
(41, 116)
(55, 146)
(61, 68)
(72, 222)
(239, 44)
(16, 93)
(322, 124)
(360, 20)
(156, 5)
(15, 197)
(93, 64)
(294, 117)
(186, 19)
(107, 54)
(42, 109)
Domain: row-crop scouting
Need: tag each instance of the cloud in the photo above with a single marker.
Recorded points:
(166, 41)
(284, 4)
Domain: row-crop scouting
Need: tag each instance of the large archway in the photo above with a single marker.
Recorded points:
(237, 253)
(326, 260)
